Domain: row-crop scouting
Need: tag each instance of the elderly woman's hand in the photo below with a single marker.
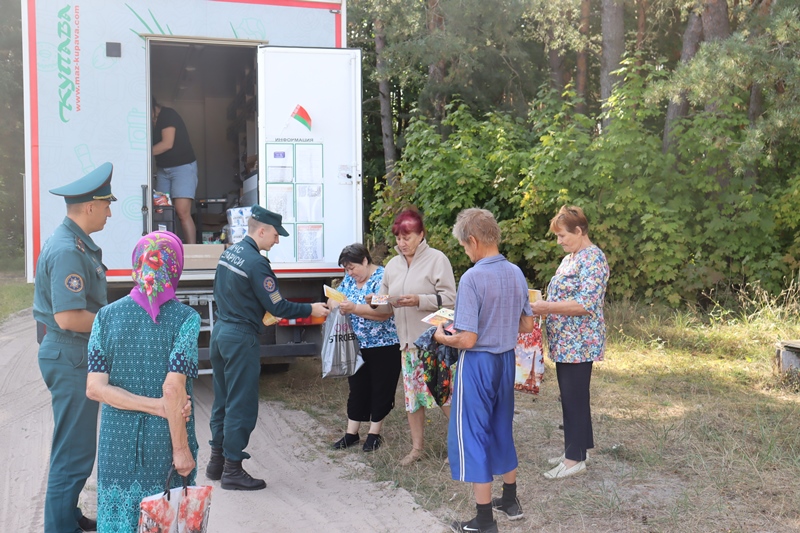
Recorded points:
(183, 461)
(347, 307)
(407, 300)
(187, 409)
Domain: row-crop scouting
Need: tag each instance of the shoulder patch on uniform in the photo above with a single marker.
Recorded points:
(275, 297)
(269, 284)
(74, 283)
(79, 244)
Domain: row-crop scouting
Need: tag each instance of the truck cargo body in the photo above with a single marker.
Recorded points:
(271, 98)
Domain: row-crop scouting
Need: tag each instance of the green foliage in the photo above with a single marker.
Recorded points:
(673, 226)
(12, 163)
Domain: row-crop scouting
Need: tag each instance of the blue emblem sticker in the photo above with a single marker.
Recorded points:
(269, 284)
(74, 283)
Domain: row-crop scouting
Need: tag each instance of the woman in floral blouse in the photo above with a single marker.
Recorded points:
(372, 388)
(576, 332)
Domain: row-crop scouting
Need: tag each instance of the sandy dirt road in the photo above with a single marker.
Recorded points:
(306, 490)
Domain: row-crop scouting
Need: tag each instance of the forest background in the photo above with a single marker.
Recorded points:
(675, 124)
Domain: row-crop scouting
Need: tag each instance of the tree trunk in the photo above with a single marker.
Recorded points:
(641, 26)
(436, 70)
(677, 109)
(716, 25)
(556, 61)
(613, 30)
(582, 68)
(384, 96)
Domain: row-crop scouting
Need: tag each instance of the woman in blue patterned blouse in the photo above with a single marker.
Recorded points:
(142, 358)
(372, 388)
(576, 332)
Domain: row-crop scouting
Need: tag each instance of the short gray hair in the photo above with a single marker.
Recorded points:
(478, 223)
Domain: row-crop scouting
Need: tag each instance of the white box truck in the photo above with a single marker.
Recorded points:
(271, 98)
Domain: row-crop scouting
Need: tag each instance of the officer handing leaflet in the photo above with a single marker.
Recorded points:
(244, 288)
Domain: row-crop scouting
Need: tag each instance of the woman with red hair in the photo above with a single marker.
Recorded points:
(422, 279)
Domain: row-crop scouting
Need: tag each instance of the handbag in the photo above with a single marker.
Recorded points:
(529, 357)
(179, 510)
(341, 353)
(436, 362)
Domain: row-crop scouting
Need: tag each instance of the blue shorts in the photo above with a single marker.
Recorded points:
(480, 440)
(178, 182)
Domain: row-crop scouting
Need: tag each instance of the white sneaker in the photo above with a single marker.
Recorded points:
(560, 459)
(561, 471)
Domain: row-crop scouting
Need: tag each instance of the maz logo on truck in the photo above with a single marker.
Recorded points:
(69, 83)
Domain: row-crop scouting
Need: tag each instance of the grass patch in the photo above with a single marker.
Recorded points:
(694, 429)
(15, 295)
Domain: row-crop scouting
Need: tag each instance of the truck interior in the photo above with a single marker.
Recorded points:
(213, 89)
(212, 86)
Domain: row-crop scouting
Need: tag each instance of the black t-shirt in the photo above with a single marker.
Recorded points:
(181, 152)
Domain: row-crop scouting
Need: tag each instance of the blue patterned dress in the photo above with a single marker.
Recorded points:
(135, 450)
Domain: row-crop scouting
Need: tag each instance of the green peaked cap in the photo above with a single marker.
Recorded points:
(96, 185)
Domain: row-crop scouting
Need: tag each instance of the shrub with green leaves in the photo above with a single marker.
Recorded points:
(671, 225)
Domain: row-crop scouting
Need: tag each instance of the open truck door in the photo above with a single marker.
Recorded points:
(309, 171)
(309, 120)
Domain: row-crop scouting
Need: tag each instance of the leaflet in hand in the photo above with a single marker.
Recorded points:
(443, 316)
(384, 299)
(269, 319)
(333, 294)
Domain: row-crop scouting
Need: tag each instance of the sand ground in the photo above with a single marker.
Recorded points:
(307, 490)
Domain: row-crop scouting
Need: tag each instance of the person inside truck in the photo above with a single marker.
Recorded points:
(245, 287)
(372, 388)
(176, 165)
(70, 289)
(422, 280)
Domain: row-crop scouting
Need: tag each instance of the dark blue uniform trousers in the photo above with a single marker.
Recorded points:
(62, 361)
(236, 362)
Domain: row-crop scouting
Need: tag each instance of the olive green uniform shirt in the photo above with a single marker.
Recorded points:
(70, 275)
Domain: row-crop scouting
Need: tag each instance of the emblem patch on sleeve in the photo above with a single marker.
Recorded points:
(275, 297)
(269, 284)
(74, 283)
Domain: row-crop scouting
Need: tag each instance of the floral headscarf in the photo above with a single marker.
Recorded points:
(157, 266)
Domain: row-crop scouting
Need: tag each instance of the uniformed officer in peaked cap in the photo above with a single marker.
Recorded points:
(244, 288)
(70, 289)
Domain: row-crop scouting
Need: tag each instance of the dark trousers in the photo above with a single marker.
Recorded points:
(373, 387)
(63, 362)
(236, 363)
(573, 383)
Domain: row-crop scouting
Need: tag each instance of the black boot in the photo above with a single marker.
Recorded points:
(215, 464)
(234, 477)
(87, 524)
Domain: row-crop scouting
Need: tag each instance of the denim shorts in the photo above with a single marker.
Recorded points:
(178, 182)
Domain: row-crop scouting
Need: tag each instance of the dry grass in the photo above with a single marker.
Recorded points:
(694, 430)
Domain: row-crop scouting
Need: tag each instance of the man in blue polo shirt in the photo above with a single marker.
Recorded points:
(491, 308)
(70, 288)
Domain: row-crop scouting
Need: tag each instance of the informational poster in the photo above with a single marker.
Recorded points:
(308, 163)
(280, 163)
(280, 199)
(284, 251)
(309, 202)
(309, 242)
